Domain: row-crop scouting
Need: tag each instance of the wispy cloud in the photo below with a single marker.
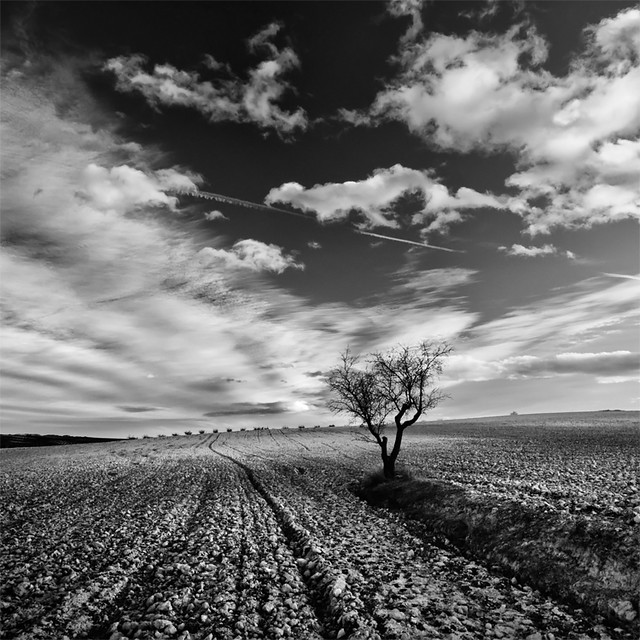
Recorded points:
(554, 336)
(411, 9)
(106, 303)
(226, 97)
(611, 363)
(248, 408)
(535, 252)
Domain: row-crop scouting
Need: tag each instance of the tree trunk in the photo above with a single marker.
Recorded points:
(397, 443)
(389, 467)
(389, 459)
(388, 462)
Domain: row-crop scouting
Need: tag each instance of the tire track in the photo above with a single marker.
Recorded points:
(335, 607)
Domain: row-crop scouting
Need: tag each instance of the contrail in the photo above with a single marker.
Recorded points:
(207, 195)
(417, 244)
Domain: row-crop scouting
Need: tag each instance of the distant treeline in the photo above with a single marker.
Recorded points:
(8, 440)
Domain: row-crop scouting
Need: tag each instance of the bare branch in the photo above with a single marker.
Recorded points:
(394, 382)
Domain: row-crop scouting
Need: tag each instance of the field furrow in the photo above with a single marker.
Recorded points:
(261, 535)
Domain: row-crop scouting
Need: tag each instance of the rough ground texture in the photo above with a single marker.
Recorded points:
(587, 562)
(258, 535)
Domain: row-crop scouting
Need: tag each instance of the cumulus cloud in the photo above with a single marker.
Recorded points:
(123, 187)
(226, 97)
(575, 135)
(251, 254)
(374, 198)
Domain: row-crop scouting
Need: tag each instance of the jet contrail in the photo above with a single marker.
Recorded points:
(207, 195)
(417, 244)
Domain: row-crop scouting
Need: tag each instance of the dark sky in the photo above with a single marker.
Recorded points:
(504, 133)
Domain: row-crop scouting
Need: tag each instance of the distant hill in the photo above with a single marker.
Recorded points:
(10, 440)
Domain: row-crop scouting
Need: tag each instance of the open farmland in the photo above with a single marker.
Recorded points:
(258, 534)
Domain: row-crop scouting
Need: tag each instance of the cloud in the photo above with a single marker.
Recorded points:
(434, 284)
(529, 252)
(224, 98)
(312, 244)
(248, 408)
(251, 254)
(622, 275)
(133, 409)
(411, 9)
(215, 215)
(123, 188)
(535, 252)
(618, 379)
(105, 300)
(456, 91)
(575, 136)
(375, 198)
(553, 336)
(619, 38)
(612, 363)
(107, 303)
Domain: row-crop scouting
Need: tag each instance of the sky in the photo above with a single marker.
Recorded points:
(505, 135)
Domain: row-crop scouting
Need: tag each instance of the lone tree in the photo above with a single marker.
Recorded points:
(396, 383)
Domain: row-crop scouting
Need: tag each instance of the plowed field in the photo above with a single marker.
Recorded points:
(258, 534)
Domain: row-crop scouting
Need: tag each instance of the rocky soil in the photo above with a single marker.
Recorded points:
(258, 534)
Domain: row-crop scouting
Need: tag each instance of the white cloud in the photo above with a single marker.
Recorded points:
(375, 196)
(461, 92)
(251, 254)
(618, 379)
(442, 222)
(122, 187)
(618, 38)
(228, 97)
(576, 136)
(215, 215)
(412, 9)
(529, 252)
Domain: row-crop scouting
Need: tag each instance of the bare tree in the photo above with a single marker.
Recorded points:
(396, 382)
